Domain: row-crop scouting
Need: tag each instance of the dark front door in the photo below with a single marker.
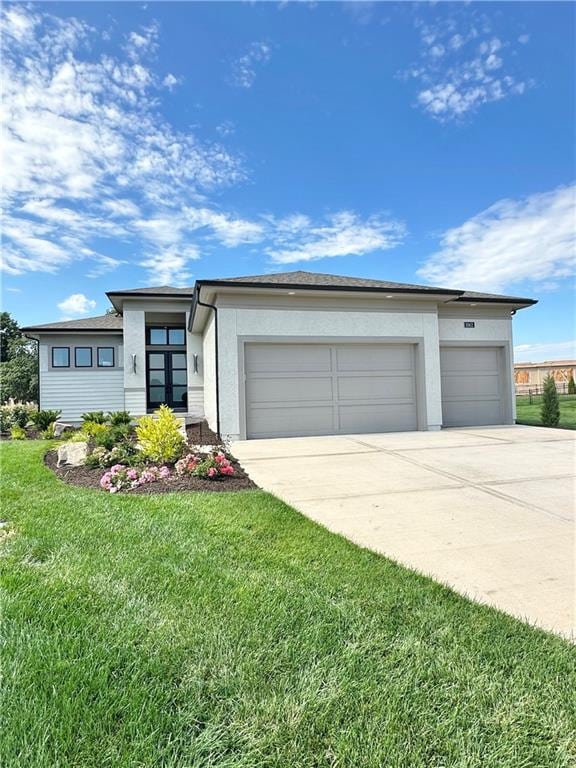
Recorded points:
(167, 379)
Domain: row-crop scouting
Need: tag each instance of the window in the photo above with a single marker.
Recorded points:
(176, 336)
(105, 357)
(158, 335)
(162, 337)
(83, 357)
(60, 357)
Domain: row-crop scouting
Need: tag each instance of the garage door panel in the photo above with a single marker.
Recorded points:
(287, 358)
(486, 385)
(363, 388)
(484, 412)
(289, 390)
(376, 387)
(482, 359)
(377, 418)
(472, 386)
(303, 420)
(374, 357)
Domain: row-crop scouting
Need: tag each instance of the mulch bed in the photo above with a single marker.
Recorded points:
(85, 477)
(198, 434)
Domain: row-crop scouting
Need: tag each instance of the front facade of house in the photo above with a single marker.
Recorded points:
(291, 354)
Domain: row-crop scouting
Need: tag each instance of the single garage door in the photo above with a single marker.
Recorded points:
(471, 386)
(327, 389)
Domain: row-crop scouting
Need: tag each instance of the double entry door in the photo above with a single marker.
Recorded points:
(167, 379)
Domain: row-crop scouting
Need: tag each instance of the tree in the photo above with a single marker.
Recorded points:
(571, 385)
(18, 364)
(550, 404)
(9, 331)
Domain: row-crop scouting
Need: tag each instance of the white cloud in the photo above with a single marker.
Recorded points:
(170, 81)
(297, 239)
(514, 241)
(523, 39)
(143, 43)
(86, 153)
(91, 166)
(538, 353)
(462, 65)
(77, 304)
(244, 69)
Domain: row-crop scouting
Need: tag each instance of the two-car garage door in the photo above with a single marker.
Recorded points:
(325, 389)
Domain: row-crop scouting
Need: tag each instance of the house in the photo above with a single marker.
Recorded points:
(295, 353)
(531, 376)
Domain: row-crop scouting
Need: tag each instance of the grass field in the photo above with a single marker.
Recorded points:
(226, 630)
(529, 413)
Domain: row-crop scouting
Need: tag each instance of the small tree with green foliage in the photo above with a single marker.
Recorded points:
(571, 386)
(19, 373)
(550, 404)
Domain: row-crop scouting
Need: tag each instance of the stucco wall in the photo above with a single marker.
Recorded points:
(77, 390)
(135, 344)
(239, 322)
(490, 325)
(209, 367)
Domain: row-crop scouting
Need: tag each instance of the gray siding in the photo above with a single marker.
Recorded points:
(77, 390)
(74, 392)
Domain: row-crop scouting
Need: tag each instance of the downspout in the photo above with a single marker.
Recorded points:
(215, 310)
(37, 363)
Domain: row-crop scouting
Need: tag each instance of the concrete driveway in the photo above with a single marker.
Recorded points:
(488, 511)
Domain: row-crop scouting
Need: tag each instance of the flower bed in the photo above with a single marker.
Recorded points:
(120, 456)
(87, 477)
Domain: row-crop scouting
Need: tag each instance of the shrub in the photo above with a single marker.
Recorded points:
(76, 437)
(44, 419)
(210, 467)
(20, 415)
(159, 436)
(97, 417)
(125, 453)
(48, 433)
(17, 433)
(93, 429)
(5, 419)
(550, 412)
(121, 478)
(119, 418)
(571, 386)
(96, 458)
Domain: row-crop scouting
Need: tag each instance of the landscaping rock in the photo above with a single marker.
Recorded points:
(73, 454)
(60, 427)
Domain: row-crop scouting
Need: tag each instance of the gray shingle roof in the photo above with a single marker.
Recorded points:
(99, 323)
(161, 290)
(316, 279)
(323, 280)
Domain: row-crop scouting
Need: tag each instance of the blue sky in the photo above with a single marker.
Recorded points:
(156, 143)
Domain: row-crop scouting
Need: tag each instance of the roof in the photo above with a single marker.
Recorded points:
(104, 323)
(548, 364)
(161, 290)
(300, 279)
(310, 280)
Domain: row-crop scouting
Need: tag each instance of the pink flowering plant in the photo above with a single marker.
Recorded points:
(123, 478)
(212, 467)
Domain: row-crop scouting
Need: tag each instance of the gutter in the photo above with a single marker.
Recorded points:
(196, 302)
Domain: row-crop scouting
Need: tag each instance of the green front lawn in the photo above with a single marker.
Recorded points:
(226, 630)
(529, 413)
